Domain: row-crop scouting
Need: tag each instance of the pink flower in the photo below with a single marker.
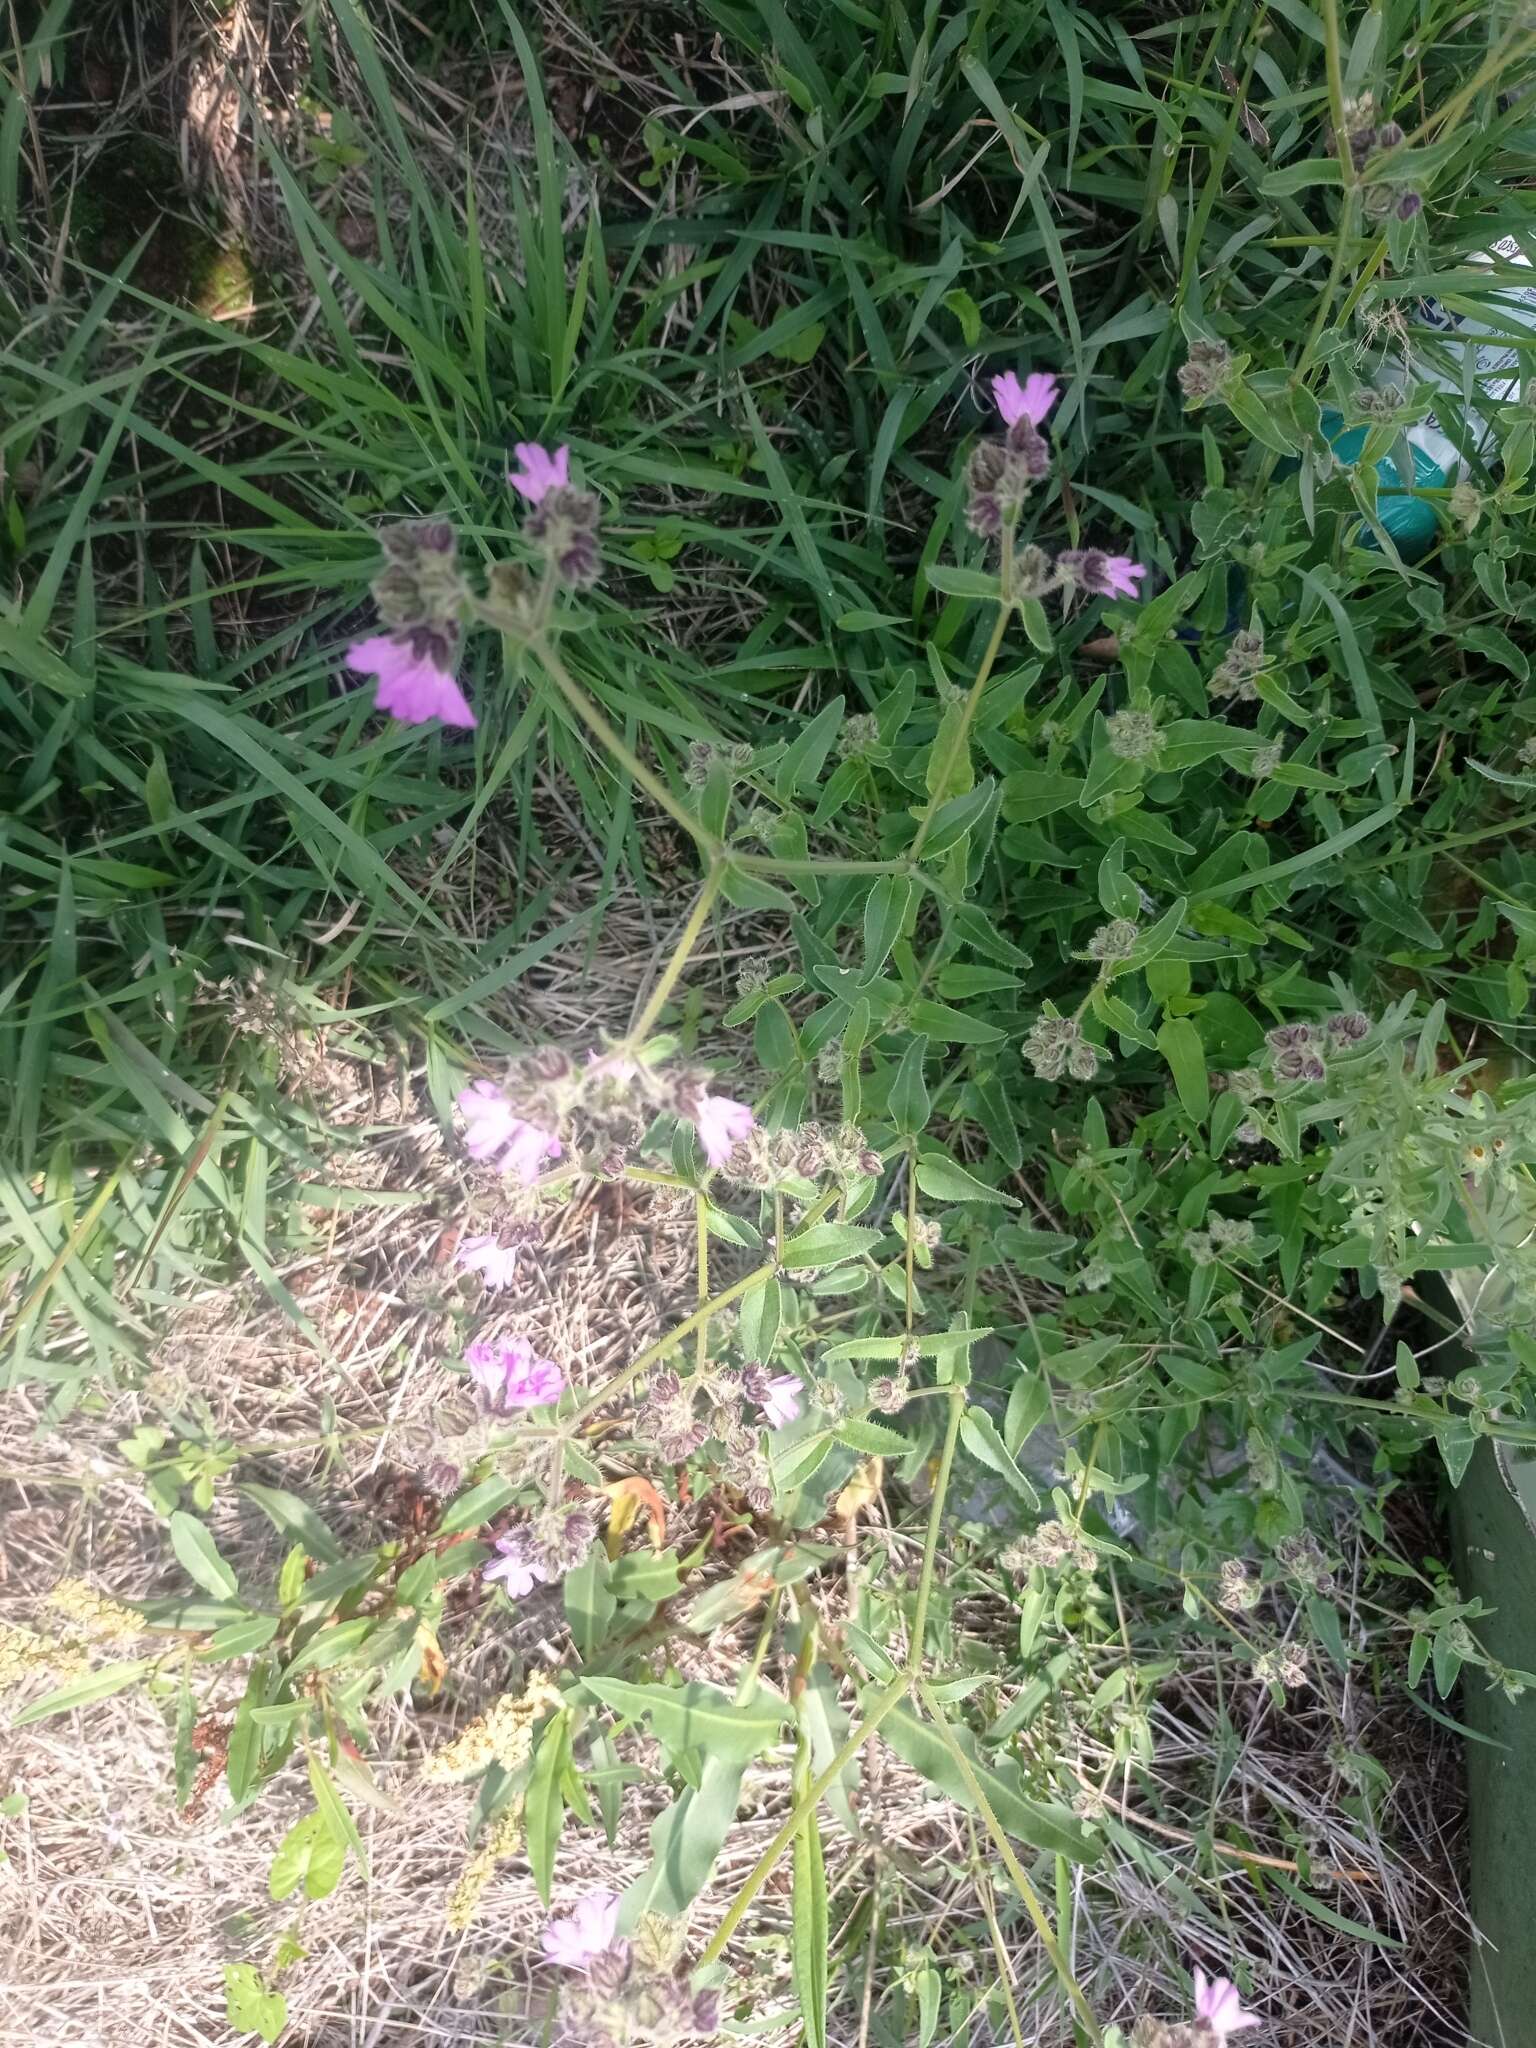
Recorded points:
(496, 1132)
(721, 1125)
(1031, 400)
(513, 1569)
(586, 1933)
(511, 1376)
(413, 686)
(495, 1263)
(540, 472)
(781, 1401)
(1218, 2004)
(1121, 576)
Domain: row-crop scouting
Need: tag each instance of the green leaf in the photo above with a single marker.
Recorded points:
(696, 1716)
(249, 2007)
(810, 1932)
(806, 754)
(1301, 177)
(908, 1104)
(885, 910)
(339, 1823)
(294, 1517)
(952, 1027)
(82, 1692)
(473, 1509)
(978, 1432)
(944, 1181)
(1339, 1922)
(867, 622)
(199, 1556)
(827, 1244)
(240, 1638)
(308, 1854)
(1179, 1043)
(589, 1602)
(544, 1809)
(1049, 1827)
(979, 583)
(686, 1839)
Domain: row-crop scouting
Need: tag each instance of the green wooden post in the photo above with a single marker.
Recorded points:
(1494, 1521)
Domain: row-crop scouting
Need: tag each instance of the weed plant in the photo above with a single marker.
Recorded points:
(1140, 821)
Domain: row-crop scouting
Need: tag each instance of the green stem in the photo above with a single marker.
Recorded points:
(962, 731)
(701, 1240)
(688, 938)
(763, 1868)
(663, 1345)
(931, 1540)
(1014, 1868)
(597, 724)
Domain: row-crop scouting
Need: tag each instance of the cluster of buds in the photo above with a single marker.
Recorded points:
(680, 1419)
(1133, 735)
(1285, 1667)
(1301, 1558)
(1296, 1053)
(810, 1152)
(1052, 1545)
(99, 1618)
(515, 1125)
(502, 1839)
(422, 596)
(1002, 473)
(1114, 941)
(1223, 1237)
(1241, 665)
(24, 1653)
(1297, 1050)
(704, 757)
(1362, 137)
(1055, 1046)
(618, 2002)
(859, 735)
(563, 522)
(1204, 373)
(1239, 1592)
(541, 1551)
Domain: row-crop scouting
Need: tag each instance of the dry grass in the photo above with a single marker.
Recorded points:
(122, 1912)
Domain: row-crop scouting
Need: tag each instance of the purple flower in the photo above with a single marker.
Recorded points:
(585, 1933)
(495, 1263)
(721, 1125)
(1103, 575)
(496, 1132)
(780, 1401)
(413, 685)
(1121, 575)
(511, 1376)
(514, 1569)
(1031, 400)
(1218, 2004)
(539, 471)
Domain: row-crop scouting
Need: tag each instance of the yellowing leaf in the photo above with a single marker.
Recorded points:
(434, 1665)
(862, 1491)
(627, 1498)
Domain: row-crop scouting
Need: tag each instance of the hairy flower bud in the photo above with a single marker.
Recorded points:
(563, 526)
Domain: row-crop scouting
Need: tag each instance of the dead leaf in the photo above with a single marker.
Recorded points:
(627, 1499)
